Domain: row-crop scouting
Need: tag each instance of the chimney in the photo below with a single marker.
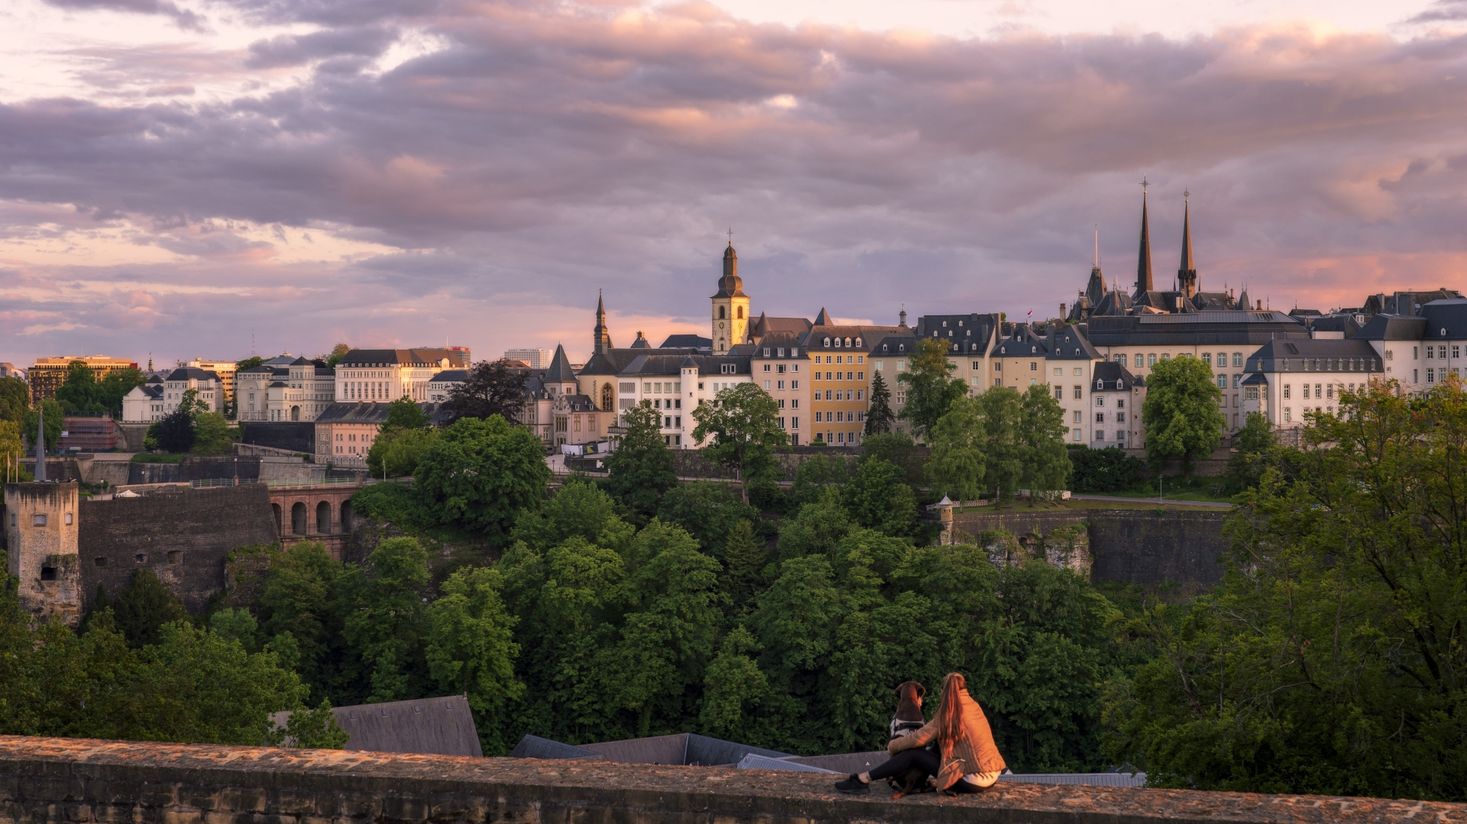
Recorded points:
(1260, 304)
(1063, 313)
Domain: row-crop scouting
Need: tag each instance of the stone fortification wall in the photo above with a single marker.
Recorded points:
(1148, 547)
(295, 436)
(184, 537)
(85, 781)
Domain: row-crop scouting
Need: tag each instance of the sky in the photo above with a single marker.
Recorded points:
(220, 178)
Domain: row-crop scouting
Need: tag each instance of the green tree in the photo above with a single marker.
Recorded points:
(315, 728)
(482, 472)
(957, 468)
(817, 527)
(299, 598)
(386, 626)
(404, 413)
(734, 688)
(879, 417)
(1003, 443)
(338, 352)
(178, 431)
(79, 393)
(1253, 449)
(12, 450)
(492, 388)
(745, 557)
(15, 400)
(740, 428)
(900, 449)
(212, 434)
(471, 648)
(579, 509)
(1335, 638)
(116, 384)
(144, 606)
(815, 474)
(1042, 430)
(55, 420)
(878, 498)
(249, 363)
(396, 452)
(641, 469)
(1103, 470)
(1181, 411)
(931, 388)
(710, 511)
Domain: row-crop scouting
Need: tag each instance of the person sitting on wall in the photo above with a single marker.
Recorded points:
(967, 759)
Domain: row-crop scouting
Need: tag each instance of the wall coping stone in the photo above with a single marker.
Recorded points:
(155, 781)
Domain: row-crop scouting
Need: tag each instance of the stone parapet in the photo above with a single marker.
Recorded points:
(84, 781)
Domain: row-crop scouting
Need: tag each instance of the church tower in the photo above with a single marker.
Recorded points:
(41, 539)
(730, 306)
(602, 335)
(1187, 271)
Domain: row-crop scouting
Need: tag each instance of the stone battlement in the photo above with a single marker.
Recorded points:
(78, 780)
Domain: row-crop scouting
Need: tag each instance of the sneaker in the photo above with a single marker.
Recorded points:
(852, 786)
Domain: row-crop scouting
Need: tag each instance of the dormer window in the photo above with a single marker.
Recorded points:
(848, 343)
(827, 341)
(1100, 384)
(858, 341)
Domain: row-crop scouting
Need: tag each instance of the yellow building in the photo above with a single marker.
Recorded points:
(780, 367)
(730, 320)
(223, 368)
(47, 374)
(840, 378)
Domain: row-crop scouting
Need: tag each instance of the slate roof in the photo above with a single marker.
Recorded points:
(1113, 376)
(822, 337)
(687, 341)
(560, 369)
(533, 746)
(1393, 327)
(153, 391)
(437, 726)
(1068, 343)
(1018, 343)
(680, 748)
(371, 413)
(184, 373)
(615, 361)
(1232, 326)
(770, 346)
(641, 342)
(404, 357)
(765, 325)
(969, 333)
(450, 376)
(1445, 319)
(898, 345)
(1315, 356)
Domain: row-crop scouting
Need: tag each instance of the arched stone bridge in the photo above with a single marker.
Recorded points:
(314, 512)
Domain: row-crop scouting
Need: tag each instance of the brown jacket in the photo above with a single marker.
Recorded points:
(976, 753)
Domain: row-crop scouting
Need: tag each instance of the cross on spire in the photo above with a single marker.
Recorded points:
(730, 235)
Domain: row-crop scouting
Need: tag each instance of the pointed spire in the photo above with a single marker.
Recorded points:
(560, 369)
(1095, 257)
(1187, 271)
(1143, 257)
(601, 343)
(41, 442)
(823, 319)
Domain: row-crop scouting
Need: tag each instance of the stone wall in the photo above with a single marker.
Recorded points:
(83, 781)
(1152, 548)
(184, 537)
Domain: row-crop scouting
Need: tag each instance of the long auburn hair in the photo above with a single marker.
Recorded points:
(950, 713)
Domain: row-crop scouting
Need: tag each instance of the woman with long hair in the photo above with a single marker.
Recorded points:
(967, 759)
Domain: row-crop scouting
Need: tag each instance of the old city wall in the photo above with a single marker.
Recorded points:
(1146, 547)
(83, 781)
(184, 537)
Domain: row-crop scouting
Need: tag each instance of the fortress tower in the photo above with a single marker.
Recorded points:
(41, 547)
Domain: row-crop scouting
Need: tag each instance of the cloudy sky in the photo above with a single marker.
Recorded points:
(221, 177)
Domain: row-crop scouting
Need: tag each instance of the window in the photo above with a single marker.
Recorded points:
(1222, 381)
(1120, 417)
(1140, 361)
(1150, 360)
(1099, 400)
(1207, 358)
(1286, 391)
(1099, 435)
(38, 519)
(1075, 433)
(1033, 366)
(1236, 377)
(1075, 417)
(1079, 392)
(1237, 360)
(1059, 393)
(1100, 417)
(68, 519)
(1318, 391)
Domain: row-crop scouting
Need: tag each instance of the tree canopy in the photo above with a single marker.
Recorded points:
(1181, 413)
(641, 469)
(931, 388)
(879, 417)
(481, 472)
(492, 388)
(741, 430)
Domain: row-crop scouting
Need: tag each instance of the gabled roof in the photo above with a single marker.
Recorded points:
(1068, 343)
(1393, 327)
(897, 345)
(436, 726)
(404, 357)
(1445, 319)
(1113, 376)
(450, 376)
(823, 319)
(1324, 355)
(186, 373)
(1223, 326)
(766, 325)
(851, 337)
(685, 340)
(370, 412)
(969, 333)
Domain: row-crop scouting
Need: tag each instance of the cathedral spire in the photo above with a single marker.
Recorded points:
(602, 343)
(1143, 258)
(1187, 271)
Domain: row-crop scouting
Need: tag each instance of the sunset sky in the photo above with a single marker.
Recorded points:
(214, 177)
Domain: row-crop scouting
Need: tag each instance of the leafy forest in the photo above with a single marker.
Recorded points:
(782, 616)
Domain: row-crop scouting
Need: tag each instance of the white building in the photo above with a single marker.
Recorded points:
(385, 375)
(300, 391)
(144, 404)
(1288, 379)
(206, 385)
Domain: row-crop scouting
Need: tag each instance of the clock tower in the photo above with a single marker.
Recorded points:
(730, 306)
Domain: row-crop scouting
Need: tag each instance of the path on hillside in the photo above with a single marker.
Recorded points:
(1166, 501)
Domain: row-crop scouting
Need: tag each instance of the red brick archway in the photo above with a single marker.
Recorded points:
(314, 513)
